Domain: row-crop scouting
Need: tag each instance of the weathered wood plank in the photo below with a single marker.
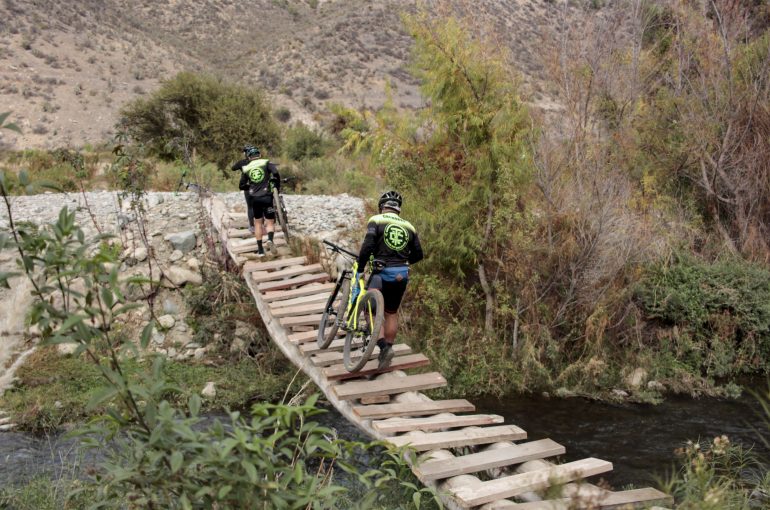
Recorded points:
(327, 358)
(414, 408)
(259, 277)
(393, 426)
(312, 348)
(245, 232)
(633, 498)
(339, 372)
(510, 486)
(321, 297)
(358, 389)
(475, 462)
(252, 266)
(376, 399)
(305, 290)
(463, 437)
(293, 282)
(239, 246)
(304, 309)
(300, 320)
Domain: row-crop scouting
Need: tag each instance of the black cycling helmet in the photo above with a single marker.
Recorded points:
(391, 200)
(250, 151)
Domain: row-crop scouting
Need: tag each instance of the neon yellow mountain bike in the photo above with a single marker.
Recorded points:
(361, 321)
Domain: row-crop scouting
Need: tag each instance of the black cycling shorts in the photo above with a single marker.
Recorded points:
(392, 292)
(262, 207)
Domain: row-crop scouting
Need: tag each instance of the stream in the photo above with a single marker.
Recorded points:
(638, 439)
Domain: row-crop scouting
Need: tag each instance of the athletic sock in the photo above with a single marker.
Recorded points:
(381, 343)
(270, 236)
(259, 246)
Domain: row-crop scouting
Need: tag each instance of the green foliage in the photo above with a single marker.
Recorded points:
(720, 314)
(45, 494)
(302, 143)
(11, 126)
(60, 169)
(334, 174)
(204, 114)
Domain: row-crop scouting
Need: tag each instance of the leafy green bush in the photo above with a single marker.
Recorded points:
(303, 143)
(202, 113)
(716, 316)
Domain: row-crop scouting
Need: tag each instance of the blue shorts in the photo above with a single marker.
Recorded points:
(392, 283)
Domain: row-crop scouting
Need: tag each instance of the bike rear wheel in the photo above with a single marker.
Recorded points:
(361, 339)
(280, 213)
(327, 328)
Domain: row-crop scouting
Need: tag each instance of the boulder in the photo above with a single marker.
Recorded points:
(182, 241)
(210, 390)
(175, 255)
(179, 276)
(636, 378)
(166, 321)
(194, 264)
(656, 386)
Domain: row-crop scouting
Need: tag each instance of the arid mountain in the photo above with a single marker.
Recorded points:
(67, 67)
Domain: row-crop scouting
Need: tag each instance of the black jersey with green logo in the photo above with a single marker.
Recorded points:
(392, 240)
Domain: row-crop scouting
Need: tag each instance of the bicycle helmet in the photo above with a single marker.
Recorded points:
(391, 200)
(250, 151)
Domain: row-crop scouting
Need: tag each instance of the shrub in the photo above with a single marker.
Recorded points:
(201, 113)
(303, 143)
(716, 316)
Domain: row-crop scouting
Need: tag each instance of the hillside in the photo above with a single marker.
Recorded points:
(67, 67)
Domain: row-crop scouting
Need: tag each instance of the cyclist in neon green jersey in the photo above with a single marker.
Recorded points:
(391, 244)
(258, 178)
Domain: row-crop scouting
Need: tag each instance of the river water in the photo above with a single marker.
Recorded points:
(638, 439)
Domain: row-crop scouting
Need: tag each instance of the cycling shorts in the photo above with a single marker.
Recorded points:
(392, 283)
(262, 207)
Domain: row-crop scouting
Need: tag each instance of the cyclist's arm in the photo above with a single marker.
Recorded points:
(415, 251)
(244, 182)
(239, 165)
(274, 175)
(367, 247)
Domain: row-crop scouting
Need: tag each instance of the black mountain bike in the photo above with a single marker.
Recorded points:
(280, 210)
(361, 321)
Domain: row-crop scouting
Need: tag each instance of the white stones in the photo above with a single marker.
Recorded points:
(182, 241)
(140, 254)
(158, 338)
(210, 390)
(194, 264)
(619, 393)
(656, 386)
(179, 276)
(636, 378)
(166, 321)
(175, 256)
(199, 353)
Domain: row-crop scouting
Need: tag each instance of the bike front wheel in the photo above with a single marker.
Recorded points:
(330, 320)
(280, 213)
(363, 330)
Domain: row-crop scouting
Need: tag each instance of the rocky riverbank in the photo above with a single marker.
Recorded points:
(167, 241)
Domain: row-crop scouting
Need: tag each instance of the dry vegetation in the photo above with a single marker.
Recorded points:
(68, 66)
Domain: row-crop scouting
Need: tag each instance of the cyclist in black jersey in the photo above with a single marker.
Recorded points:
(258, 178)
(391, 244)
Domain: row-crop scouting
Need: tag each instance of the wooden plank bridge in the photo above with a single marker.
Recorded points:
(472, 460)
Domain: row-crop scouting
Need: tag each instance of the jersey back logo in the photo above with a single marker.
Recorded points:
(257, 174)
(396, 237)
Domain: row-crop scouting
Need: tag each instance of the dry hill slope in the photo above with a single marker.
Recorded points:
(67, 67)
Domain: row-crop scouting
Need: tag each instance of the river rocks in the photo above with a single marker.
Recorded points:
(182, 241)
(617, 393)
(175, 256)
(210, 390)
(179, 276)
(194, 264)
(157, 337)
(166, 321)
(636, 378)
(656, 386)
(199, 353)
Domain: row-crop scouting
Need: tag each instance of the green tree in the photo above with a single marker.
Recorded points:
(202, 114)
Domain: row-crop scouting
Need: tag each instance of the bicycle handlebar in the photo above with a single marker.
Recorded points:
(339, 249)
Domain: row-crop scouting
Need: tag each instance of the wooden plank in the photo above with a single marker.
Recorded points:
(414, 408)
(299, 310)
(327, 358)
(250, 267)
(392, 426)
(239, 246)
(260, 277)
(339, 372)
(305, 290)
(293, 282)
(633, 498)
(245, 232)
(310, 349)
(510, 486)
(489, 459)
(301, 320)
(463, 437)
(358, 389)
(321, 297)
(376, 399)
